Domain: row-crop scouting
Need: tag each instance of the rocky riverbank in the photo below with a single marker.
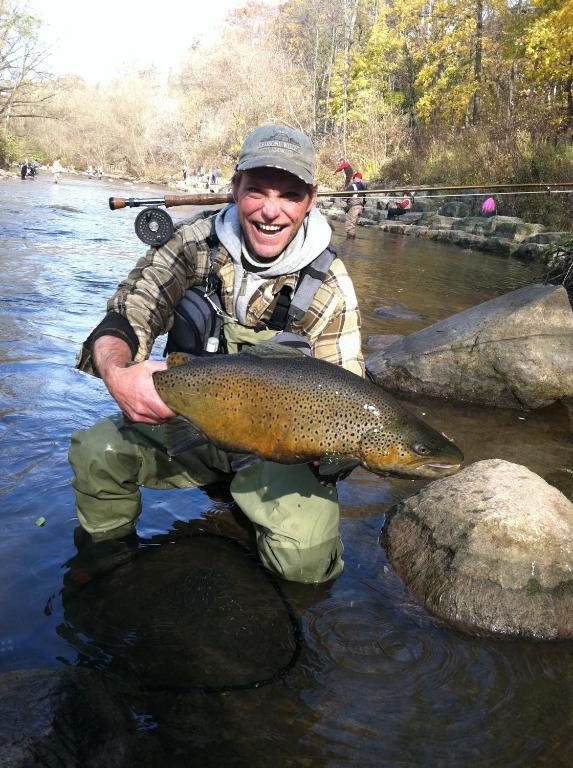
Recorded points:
(506, 235)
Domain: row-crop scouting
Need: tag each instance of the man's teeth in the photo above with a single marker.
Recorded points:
(269, 229)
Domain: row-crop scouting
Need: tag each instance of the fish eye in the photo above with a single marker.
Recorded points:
(421, 449)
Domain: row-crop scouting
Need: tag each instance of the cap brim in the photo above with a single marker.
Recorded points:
(273, 162)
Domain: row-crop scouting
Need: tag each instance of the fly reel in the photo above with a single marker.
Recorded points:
(154, 226)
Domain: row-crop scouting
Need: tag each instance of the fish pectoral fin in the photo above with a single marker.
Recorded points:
(245, 460)
(183, 436)
(175, 359)
(270, 349)
(336, 464)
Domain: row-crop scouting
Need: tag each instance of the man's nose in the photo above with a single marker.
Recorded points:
(271, 208)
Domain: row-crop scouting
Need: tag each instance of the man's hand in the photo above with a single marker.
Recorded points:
(131, 386)
(133, 390)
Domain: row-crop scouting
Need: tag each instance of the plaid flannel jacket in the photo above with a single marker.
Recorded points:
(142, 307)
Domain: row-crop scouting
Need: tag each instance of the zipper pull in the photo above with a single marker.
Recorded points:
(243, 288)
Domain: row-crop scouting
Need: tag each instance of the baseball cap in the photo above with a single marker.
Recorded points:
(279, 146)
(357, 175)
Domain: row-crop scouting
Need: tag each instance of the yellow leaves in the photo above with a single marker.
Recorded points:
(549, 44)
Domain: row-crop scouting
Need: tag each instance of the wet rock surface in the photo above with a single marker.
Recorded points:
(515, 351)
(489, 550)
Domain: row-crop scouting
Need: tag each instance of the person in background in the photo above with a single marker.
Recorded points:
(257, 247)
(56, 170)
(398, 209)
(24, 169)
(488, 207)
(354, 204)
(345, 166)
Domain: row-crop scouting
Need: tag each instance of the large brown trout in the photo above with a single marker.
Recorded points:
(275, 403)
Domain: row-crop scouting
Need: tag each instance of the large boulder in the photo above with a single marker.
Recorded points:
(513, 351)
(489, 550)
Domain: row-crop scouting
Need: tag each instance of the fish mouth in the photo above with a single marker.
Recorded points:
(437, 470)
(429, 470)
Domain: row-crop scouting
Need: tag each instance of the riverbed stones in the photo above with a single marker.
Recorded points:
(489, 550)
(514, 351)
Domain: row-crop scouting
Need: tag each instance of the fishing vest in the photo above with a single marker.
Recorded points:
(356, 199)
(198, 318)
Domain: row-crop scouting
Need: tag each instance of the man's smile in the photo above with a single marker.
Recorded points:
(268, 230)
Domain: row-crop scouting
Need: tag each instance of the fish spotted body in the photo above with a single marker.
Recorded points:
(281, 405)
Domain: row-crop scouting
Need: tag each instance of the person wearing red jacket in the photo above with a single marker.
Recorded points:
(354, 204)
(345, 166)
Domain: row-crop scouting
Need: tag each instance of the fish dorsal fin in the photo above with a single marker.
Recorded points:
(182, 436)
(270, 349)
(179, 358)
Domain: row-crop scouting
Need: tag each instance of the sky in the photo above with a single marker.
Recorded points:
(100, 40)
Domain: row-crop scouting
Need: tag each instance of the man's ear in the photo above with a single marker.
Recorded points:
(235, 181)
(313, 196)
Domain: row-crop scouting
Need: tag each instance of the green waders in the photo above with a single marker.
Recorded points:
(296, 518)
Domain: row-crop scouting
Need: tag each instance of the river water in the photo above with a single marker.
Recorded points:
(361, 675)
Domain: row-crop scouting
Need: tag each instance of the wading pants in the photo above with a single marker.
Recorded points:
(296, 519)
(354, 213)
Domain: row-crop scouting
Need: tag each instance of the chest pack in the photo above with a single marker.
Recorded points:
(198, 317)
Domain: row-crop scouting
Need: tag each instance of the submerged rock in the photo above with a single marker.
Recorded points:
(197, 613)
(514, 351)
(489, 550)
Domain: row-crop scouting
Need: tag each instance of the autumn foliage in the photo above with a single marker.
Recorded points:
(414, 91)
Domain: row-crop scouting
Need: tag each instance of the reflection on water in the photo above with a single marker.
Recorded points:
(377, 681)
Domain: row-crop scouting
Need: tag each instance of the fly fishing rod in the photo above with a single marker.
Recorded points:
(154, 226)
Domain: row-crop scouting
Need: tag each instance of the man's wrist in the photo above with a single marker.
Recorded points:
(110, 355)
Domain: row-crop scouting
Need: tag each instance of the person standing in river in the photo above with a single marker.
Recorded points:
(354, 204)
(256, 249)
(56, 170)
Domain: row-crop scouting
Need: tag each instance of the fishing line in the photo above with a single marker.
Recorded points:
(417, 196)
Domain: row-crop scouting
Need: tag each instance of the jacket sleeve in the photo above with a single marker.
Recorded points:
(142, 307)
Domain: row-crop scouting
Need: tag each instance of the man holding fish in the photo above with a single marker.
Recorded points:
(241, 416)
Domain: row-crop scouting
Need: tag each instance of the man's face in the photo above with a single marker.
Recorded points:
(272, 205)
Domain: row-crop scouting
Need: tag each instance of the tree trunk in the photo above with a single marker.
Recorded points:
(350, 11)
(476, 112)
(569, 92)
